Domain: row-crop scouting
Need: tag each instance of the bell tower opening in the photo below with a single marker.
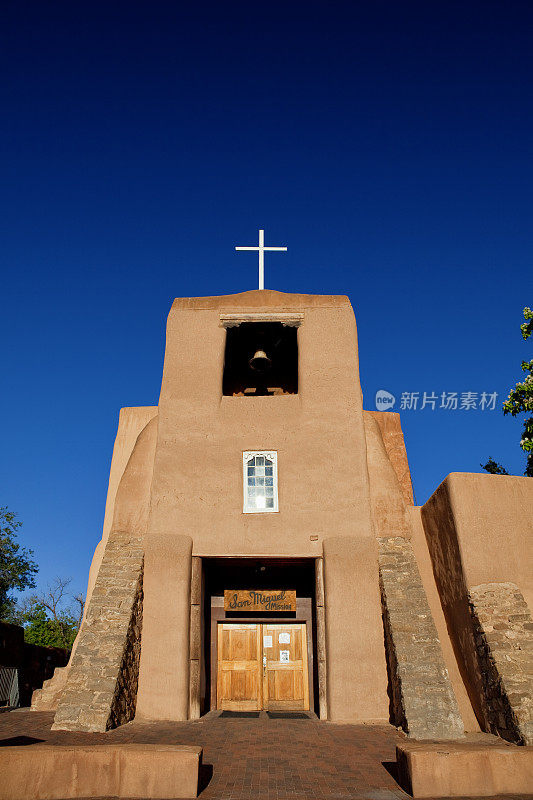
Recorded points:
(261, 358)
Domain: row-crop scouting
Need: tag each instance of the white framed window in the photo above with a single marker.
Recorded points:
(260, 481)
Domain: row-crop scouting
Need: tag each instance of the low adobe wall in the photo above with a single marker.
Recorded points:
(469, 769)
(48, 772)
(488, 521)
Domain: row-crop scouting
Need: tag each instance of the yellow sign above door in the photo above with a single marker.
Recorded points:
(259, 600)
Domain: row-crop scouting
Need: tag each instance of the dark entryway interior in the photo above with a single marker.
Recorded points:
(251, 573)
(260, 359)
(256, 573)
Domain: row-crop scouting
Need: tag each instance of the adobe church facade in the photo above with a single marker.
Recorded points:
(261, 548)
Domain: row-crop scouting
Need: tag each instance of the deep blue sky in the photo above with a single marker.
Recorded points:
(387, 144)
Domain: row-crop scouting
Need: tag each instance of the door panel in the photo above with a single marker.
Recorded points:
(252, 676)
(239, 667)
(285, 668)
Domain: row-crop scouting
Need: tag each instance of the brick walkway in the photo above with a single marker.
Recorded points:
(263, 759)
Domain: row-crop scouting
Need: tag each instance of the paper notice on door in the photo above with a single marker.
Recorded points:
(284, 638)
(267, 641)
(284, 655)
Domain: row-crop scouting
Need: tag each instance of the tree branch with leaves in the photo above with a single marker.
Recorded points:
(17, 568)
(520, 401)
(48, 620)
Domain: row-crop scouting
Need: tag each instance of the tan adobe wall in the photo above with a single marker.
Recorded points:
(392, 434)
(131, 422)
(197, 493)
(318, 434)
(389, 511)
(493, 520)
(355, 650)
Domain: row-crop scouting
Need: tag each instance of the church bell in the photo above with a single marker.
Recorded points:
(260, 362)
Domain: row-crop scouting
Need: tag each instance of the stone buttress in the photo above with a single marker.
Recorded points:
(503, 633)
(100, 689)
(422, 701)
(421, 696)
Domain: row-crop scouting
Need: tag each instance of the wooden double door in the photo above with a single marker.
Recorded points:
(262, 667)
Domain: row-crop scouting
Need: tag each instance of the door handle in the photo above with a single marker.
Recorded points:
(264, 665)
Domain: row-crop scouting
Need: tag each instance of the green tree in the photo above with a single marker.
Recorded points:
(40, 629)
(520, 400)
(17, 568)
(493, 467)
(46, 619)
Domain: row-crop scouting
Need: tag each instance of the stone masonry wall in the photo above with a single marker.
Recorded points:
(422, 701)
(125, 697)
(503, 631)
(396, 706)
(101, 687)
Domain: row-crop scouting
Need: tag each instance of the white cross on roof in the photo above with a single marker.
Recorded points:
(261, 250)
